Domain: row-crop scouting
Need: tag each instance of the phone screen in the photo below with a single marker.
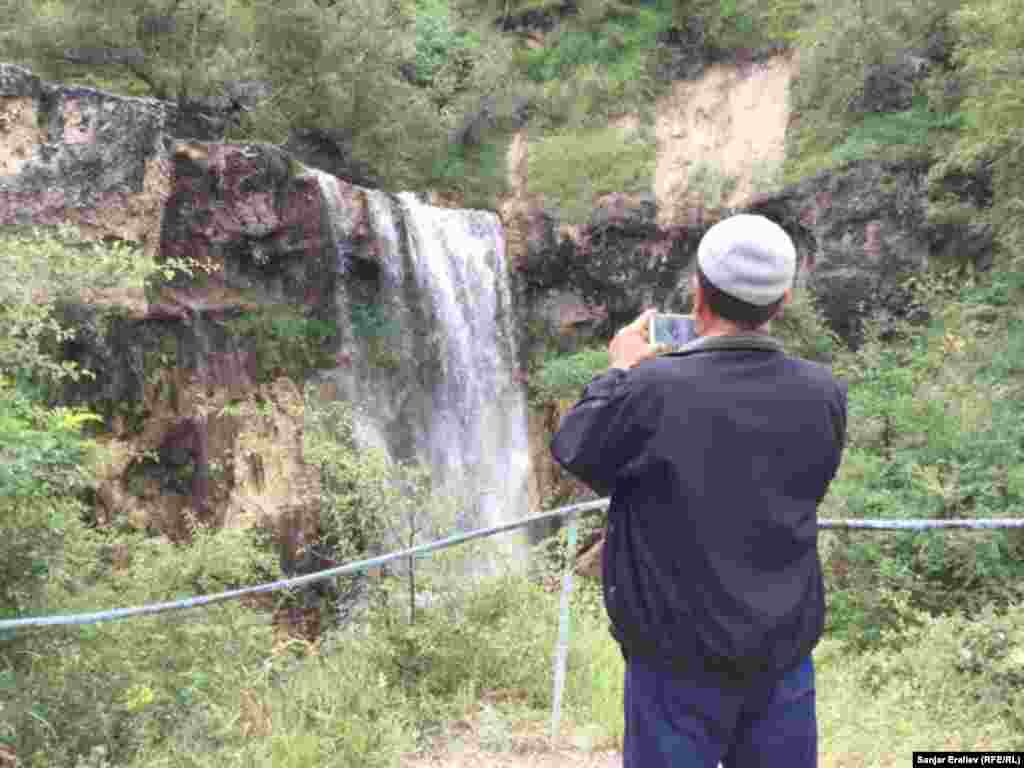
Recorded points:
(672, 330)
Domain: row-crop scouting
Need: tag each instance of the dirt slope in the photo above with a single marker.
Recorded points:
(733, 122)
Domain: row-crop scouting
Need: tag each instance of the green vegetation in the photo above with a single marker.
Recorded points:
(961, 112)
(709, 184)
(42, 270)
(933, 419)
(564, 376)
(988, 64)
(425, 93)
(934, 422)
(925, 641)
(910, 131)
(617, 39)
(287, 341)
(572, 169)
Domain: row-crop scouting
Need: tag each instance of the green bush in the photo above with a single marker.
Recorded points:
(932, 422)
(952, 682)
(918, 129)
(619, 40)
(988, 66)
(728, 25)
(565, 376)
(477, 173)
(286, 340)
(572, 169)
(803, 330)
(124, 686)
(840, 45)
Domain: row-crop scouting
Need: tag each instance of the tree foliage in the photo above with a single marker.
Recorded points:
(170, 50)
(337, 68)
(990, 66)
(861, 88)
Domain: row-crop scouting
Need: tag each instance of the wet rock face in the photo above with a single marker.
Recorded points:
(861, 231)
(595, 278)
(177, 369)
(80, 156)
(251, 211)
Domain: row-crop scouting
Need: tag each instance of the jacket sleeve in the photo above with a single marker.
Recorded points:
(606, 430)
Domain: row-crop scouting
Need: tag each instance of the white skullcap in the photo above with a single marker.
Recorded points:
(749, 257)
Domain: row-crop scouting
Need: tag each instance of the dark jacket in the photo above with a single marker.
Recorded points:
(716, 458)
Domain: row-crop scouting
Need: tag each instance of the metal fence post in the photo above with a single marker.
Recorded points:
(562, 648)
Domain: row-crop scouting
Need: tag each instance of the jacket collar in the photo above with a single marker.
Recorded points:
(743, 341)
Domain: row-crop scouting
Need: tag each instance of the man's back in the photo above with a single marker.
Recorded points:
(712, 536)
(716, 459)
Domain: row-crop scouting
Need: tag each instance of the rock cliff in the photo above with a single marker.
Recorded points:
(200, 381)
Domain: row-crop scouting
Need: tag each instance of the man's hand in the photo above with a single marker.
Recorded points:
(630, 345)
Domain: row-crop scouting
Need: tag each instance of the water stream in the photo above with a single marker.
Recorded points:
(430, 349)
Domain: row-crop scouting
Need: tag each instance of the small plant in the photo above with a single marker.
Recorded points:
(709, 186)
(563, 377)
(573, 168)
(286, 340)
(917, 129)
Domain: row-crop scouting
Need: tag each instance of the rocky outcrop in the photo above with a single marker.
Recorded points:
(80, 156)
(199, 385)
(591, 279)
(267, 247)
(202, 386)
(862, 231)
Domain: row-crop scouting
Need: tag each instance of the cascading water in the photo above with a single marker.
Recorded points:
(477, 441)
(439, 384)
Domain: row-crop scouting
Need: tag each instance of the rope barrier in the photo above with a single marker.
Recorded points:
(452, 541)
(922, 525)
(298, 581)
(562, 647)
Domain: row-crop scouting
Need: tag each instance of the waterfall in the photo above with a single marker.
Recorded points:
(478, 437)
(439, 384)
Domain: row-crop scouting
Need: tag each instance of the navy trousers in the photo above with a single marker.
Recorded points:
(676, 722)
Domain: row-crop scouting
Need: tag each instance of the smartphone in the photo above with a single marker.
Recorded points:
(672, 330)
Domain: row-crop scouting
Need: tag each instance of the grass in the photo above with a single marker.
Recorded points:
(874, 708)
(571, 169)
(564, 376)
(916, 132)
(368, 694)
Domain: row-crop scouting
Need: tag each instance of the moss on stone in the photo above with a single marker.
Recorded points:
(286, 340)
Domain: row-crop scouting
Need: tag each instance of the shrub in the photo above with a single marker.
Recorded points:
(286, 341)
(914, 130)
(949, 682)
(932, 421)
(803, 330)
(840, 46)
(988, 64)
(124, 686)
(617, 40)
(572, 169)
(565, 376)
(709, 185)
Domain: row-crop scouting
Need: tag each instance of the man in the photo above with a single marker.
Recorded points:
(716, 458)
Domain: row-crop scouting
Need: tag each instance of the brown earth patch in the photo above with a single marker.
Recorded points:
(732, 121)
(19, 133)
